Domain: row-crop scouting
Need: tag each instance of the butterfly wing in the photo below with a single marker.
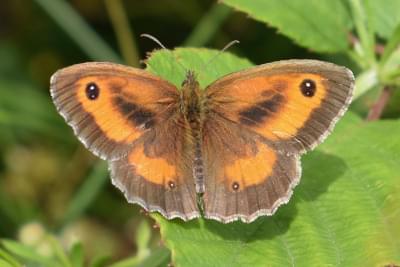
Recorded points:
(128, 117)
(259, 121)
(245, 177)
(157, 173)
(292, 103)
(110, 106)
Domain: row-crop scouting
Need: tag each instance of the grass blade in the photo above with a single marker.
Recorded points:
(123, 31)
(208, 25)
(87, 192)
(9, 259)
(25, 252)
(73, 24)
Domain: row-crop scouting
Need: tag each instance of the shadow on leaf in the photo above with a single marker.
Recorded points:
(320, 170)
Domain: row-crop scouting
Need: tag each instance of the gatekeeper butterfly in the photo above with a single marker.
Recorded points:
(228, 152)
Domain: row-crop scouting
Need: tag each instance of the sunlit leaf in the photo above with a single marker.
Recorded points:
(319, 25)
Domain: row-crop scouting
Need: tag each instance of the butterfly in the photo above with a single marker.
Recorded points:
(228, 152)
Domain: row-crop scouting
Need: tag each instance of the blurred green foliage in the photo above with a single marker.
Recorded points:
(57, 206)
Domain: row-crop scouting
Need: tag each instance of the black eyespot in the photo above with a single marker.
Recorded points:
(171, 184)
(92, 91)
(308, 87)
(235, 186)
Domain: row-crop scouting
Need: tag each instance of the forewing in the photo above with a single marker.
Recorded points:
(292, 104)
(110, 106)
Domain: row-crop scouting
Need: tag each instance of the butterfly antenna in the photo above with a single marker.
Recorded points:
(151, 37)
(226, 47)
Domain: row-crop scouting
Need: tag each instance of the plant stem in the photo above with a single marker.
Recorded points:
(377, 109)
(73, 24)
(364, 30)
(208, 25)
(123, 31)
(391, 46)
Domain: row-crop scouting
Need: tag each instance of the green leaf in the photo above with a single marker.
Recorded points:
(143, 235)
(4, 263)
(319, 25)
(127, 262)
(59, 251)
(87, 192)
(159, 257)
(26, 252)
(385, 16)
(173, 66)
(76, 255)
(9, 258)
(344, 212)
(99, 261)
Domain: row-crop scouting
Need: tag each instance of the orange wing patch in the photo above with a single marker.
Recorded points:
(246, 178)
(110, 106)
(274, 106)
(251, 170)
(155, 170)
(293, 104)
(104, 111)
(288, 109)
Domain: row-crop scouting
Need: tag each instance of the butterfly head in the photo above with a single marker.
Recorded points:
(190, 87)
(190, 80)
(190, 96)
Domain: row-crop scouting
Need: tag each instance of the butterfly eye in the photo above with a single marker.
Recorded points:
(308, 87)
(92, 91)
